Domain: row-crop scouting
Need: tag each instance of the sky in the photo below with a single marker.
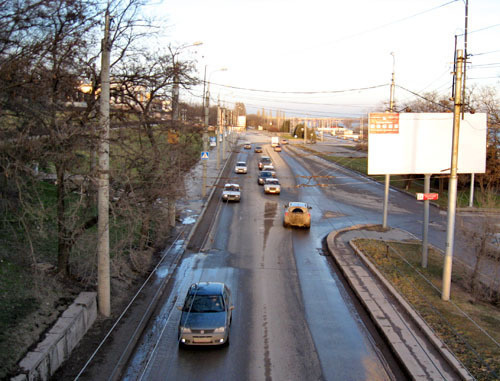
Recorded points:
(330, 58)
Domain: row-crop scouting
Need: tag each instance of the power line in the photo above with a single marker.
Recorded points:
(300, 92)
(480, 30)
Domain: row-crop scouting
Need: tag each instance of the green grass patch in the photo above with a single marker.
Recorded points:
(16, 299)
(399, 263)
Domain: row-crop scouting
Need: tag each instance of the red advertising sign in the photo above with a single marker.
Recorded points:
(427, 196)
(383, 123)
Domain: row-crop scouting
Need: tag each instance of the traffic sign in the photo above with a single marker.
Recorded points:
(427, 196)
(204, 155)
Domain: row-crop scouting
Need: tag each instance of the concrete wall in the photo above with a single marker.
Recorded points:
(60, 340)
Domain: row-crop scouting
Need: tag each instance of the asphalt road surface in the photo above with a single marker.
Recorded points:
(293, 317)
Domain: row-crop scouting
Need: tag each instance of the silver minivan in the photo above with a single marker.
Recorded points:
(207, 314)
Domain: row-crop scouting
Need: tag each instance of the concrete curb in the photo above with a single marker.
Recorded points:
(416, 318)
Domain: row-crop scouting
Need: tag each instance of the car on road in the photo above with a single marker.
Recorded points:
(268, 167)
(257, 149)
(231, 192)
(297, 214)
(247, 145)
(263, 175)
(277, 148)
(264, 160)
(206, 316)
(240, 167)
(272, 185)
(284, 142)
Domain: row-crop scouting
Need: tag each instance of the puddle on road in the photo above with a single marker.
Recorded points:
(270, 210)
(330, 214)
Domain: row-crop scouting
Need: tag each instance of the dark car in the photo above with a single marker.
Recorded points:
(206, 315)
(264, 160)
(263, 175)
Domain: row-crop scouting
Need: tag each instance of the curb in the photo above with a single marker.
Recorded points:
(414, 316)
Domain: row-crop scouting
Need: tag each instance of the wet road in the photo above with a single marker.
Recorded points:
(293, 319)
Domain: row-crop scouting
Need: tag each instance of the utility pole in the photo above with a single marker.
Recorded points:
(452, 187)
(175, 95)
(388, 177)
(103, 281)
(205, 142)
(218, 132)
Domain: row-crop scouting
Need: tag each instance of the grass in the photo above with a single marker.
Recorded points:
(399, 263)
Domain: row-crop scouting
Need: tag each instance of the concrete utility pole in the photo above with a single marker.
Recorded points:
(205, 149)
(388, 177)
(452, 187)
(175, 95)
(103, 281)
(218, 132)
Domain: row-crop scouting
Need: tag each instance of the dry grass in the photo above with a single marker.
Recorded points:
(400, 264)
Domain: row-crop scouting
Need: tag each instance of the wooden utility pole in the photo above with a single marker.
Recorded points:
(103, 281)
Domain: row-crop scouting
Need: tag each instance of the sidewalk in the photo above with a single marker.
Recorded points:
(419, 350)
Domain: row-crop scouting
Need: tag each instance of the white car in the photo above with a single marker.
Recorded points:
(241, 167)
(272, 186)
(231, 192)
(268, 167)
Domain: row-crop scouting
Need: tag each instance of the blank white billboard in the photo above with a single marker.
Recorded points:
(412, 143)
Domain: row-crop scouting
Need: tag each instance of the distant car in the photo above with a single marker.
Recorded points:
(284, 142)
(247, 145)
(241, 167)
(264, 160)
(272, 186)
(297, 214)
(277, 148)
(263, 175)
(206, 316)
(268, 167)
(231, 192)
(257, 149)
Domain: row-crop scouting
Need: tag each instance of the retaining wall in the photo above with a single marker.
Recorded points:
(60, 340)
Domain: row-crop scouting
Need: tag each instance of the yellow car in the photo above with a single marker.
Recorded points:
(297, 214)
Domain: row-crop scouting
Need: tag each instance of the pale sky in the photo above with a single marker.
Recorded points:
(328, 46)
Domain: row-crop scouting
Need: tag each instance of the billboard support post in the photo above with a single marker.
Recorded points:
(425, 233)
(471, 196)
(452, 187)
(386, 201)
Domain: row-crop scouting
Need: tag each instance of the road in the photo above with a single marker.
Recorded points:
(294, 318)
